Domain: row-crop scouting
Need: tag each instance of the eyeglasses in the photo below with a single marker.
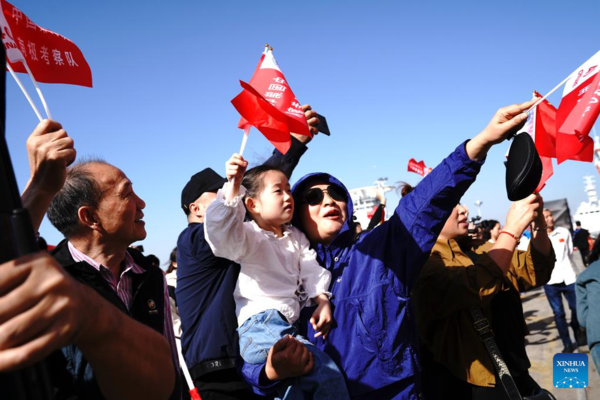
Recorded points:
(315, 195)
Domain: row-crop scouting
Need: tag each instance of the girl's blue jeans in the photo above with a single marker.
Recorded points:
(261, 331)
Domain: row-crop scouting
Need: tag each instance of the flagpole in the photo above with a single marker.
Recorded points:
(242, 147)
(39, 91)
(549, 93)
(37, 112)
(245, 139)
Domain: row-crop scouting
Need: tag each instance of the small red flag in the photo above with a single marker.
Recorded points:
(418, 167)
(577, 112)
(268, 104)
(51, 57)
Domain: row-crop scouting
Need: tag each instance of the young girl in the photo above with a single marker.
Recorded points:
(279, 272)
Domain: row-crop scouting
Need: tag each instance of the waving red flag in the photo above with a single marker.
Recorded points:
(51, 57)
(418, 167)
(577, 112)
(268, 104)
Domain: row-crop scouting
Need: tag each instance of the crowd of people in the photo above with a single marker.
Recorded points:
(274, 290)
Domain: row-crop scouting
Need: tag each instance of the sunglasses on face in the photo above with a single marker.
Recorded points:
(315, 196)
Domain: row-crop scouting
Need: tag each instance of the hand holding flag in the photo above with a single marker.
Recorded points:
(268, 104)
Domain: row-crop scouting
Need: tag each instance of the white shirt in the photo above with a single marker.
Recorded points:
(276, 273)
(563, 248)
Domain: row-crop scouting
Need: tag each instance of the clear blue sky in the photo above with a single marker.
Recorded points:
(395, 81)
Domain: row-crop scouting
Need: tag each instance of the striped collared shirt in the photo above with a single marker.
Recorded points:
(122, 287)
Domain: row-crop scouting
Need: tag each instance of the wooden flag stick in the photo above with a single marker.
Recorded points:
(39, 91)
(37, 112)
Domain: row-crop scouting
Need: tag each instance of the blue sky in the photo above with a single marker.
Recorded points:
(396, 80)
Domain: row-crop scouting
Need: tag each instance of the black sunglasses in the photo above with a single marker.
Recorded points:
(315, 196)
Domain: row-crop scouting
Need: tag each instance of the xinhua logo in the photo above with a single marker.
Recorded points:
(570, 370)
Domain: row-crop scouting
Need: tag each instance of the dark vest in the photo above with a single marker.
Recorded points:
(72, 376)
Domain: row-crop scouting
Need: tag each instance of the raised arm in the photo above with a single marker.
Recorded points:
(506, 122)
(224, 228)
(288, 162)
(420, 215)
(43, 309)
(50, 150)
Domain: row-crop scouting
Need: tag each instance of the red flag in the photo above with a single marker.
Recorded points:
(577, 112)
(243, 122)
(51, 57)
(544, 128)
(547, 172)
(269, 104)
(540, 126)
(418, 167)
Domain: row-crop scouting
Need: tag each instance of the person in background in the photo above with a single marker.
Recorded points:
(587, 290)
(491, 230)
(580, 240)
(154, 261)
(379, 215)
(171, 276)
(562, 283)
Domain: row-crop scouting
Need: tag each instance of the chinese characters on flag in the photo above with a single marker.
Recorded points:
(268, 104)
(418, 167)
(577, 112)
(51, 57)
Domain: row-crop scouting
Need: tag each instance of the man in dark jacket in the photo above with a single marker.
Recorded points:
(580, 240)
(100, 329)
(205, 286)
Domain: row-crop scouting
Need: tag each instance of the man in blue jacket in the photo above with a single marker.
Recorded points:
(205, 286)
(374, 341)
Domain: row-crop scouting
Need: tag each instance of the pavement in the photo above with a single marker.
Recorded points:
(543, 343)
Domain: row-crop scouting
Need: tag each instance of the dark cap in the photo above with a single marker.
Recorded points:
(204, 181)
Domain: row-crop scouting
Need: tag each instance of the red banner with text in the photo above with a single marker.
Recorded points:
(51, 57)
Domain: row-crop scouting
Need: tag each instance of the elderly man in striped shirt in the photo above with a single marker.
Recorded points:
(125, 349)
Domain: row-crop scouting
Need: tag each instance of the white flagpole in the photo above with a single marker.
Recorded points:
(242, 147)
(37, 112)
(245, 138)
(549, 93)
(39, 91)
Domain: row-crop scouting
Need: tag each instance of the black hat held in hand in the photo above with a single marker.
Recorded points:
(523, 168)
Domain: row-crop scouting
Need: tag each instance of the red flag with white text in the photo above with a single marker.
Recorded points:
(577, 112)
(51, 57)
(268, 104)
(418, 167)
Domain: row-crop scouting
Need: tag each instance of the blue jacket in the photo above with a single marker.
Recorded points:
(587, 289)
(205, 285)
(374, 339)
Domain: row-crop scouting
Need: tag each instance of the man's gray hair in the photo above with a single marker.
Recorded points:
(80, 189)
